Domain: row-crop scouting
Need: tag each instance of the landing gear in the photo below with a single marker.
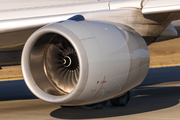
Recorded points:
(119, 101)
(100, 105)
(122, 100)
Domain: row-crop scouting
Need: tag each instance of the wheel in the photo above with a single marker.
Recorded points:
(122, 100)
(100, 105)
(68, 106)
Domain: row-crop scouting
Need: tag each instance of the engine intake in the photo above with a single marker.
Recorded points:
(61, 64)
(83, 62)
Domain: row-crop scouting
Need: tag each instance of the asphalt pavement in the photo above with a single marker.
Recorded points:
(157, 98)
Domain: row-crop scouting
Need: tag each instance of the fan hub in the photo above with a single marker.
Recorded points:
(70, 61)
(67, 61)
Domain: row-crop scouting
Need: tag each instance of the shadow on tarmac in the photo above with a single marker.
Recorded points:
(143, 98)
(14, 90)
(162, 75)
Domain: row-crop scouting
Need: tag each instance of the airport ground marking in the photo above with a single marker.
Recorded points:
(17, 101)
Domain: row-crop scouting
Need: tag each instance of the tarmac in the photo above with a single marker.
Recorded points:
(157, 98)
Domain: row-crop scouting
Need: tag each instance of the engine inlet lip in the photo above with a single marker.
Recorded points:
(82, 57)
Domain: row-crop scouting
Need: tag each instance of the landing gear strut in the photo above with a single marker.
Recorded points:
(100, 105)
(122, 100)
(119, 101)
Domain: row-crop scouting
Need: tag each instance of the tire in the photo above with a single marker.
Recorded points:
(122, 100)
(100, 105)
(68, 106)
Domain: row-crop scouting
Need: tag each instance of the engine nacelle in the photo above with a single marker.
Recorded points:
(83, 62)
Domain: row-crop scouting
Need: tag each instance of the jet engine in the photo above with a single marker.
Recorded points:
(83, 62)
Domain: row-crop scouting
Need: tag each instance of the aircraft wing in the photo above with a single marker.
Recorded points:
(164, 11)
(22, 18)
(19, 19)
(160, 6)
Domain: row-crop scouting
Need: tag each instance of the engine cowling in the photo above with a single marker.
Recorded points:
(83, 62)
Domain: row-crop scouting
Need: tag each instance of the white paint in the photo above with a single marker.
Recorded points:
(161, 6)
(21, 4)
(125, 4)
(112, 61)
(169, 31)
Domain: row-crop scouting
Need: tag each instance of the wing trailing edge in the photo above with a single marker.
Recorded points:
(161, 6)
